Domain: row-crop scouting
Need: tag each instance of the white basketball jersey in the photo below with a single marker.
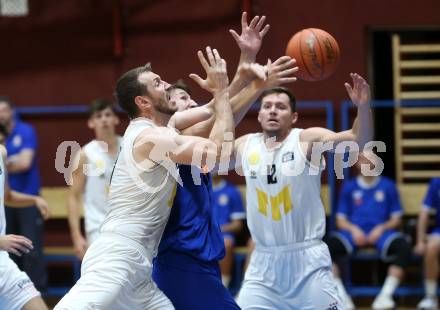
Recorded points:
(2, 198)
(99, 169)
(140, 199)
(283, 192)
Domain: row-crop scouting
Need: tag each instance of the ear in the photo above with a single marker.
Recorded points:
(116, 120)
(90, 123)
(294, 117)
(258, 117)
(142, 102)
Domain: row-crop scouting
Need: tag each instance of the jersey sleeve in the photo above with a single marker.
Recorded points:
(236, 205)
(345, 204)
(29, 138)
(431, 201)
(395, 205)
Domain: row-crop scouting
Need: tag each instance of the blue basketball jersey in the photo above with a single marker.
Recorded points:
(22, 137)
(192, 234)
(368, 205)
(228, 205)
(432, 199)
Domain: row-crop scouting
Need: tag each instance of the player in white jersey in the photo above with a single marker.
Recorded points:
(290, 267)
(116, 270)
(91, 178)
(16, 289)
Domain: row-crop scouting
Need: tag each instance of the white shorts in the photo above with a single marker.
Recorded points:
(16, 289)
(292, 277)
(115, 274)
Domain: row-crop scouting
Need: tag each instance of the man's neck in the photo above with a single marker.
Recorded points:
(272, 140)
(368, 179)
(158, 118)
(111, 139)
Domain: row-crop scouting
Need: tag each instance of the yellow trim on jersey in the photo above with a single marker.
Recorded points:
(173, 194)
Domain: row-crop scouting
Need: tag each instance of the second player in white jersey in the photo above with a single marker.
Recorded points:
(290, 267)
(91, 178)
(283, 189)
(97, 186)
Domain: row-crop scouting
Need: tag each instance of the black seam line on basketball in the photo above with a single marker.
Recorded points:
(301, 55)
(322, 55)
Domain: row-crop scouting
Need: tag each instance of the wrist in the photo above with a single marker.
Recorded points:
(248, 56)
(76, 235)
(220, 93)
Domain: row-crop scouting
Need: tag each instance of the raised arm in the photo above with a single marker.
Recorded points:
(19, 200)
(362, 129)
(249, 42)
(163, 144)
(273, 74)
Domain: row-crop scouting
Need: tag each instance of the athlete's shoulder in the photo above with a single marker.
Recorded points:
(385, 181)
(351, 183)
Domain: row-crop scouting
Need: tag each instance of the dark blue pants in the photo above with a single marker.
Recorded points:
(29, 223)
(189, 290)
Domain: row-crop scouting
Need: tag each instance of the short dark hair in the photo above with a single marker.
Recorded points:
(281, 90)
(99, 105)
(7, 100)
(180, 84)
(128, 88)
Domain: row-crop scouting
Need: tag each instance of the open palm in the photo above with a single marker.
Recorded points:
(359, 93)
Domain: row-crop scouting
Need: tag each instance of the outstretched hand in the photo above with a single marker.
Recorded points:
(280, 71)
(251, 37)
(360, 93)
(215, 68)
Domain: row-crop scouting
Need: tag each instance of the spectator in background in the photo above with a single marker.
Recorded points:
(90, 188)
(368, 215)
(24, 177)
(430, 247)
(228, 209)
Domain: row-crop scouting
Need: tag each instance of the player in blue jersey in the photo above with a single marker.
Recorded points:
(228, 209)
(24, 176)
(369, 215)
(429, 246)
(187, 265)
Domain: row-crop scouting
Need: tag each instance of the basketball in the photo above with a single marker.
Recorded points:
(316, 53)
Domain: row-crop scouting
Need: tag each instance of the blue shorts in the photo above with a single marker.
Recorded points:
(193, 287)
(381, 244)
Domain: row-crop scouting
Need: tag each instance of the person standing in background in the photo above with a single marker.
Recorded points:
(24, 177)
(228, 209)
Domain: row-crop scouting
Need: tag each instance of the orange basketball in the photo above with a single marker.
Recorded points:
(316, 53)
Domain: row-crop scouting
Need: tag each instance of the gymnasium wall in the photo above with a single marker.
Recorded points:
(64, 53)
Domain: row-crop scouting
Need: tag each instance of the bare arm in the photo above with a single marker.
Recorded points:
(163, 144)
(362, 129)
(344, 224)
(422, 227)
(249, 42)
(278, 73)
(74, 204)
(19, 200)
(393, 223)
(235, 226)
(20, 162)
